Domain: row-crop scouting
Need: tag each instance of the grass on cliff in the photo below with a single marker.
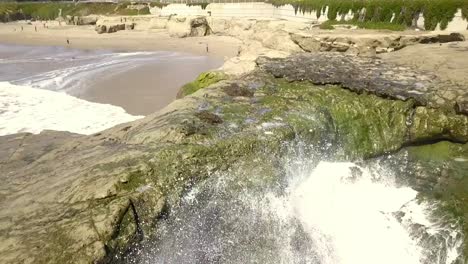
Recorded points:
(50, 10)
(400, 12)
(366, 25)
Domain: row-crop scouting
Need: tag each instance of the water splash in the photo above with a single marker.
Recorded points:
(336, 212)
(26, 109)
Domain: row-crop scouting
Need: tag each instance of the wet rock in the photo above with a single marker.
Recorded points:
(236, 90)
(364, 75)
(443, 38)
(73, 198)
(209, 117)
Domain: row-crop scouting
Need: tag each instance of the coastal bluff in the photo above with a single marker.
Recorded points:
(68, 198)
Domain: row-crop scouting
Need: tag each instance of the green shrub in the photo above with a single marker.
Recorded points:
(436, 12)
(51, 10)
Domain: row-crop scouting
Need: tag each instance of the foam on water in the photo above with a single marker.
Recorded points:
(353, 216)
(334, 213)
(80, 70)
(34, 80)
(26, 109)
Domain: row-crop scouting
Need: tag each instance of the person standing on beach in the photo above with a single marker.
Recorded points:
(21, 28)
(207, 50)
(35, 28)
(68, 41)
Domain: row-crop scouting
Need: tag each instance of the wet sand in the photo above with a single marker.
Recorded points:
(142, 90)
(148, 88)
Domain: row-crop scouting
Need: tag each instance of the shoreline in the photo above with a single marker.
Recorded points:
(157, 94)
(84, 37)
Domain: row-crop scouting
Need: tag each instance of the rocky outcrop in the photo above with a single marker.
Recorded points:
(111, 28)
(81, 20)
(199, 27)
(182, 27)
(364, 75)
(159, 23)
(71, 198)
(363, 45)
(101, 29)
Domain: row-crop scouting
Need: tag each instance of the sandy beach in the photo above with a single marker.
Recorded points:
(85, 37)
(139, 91)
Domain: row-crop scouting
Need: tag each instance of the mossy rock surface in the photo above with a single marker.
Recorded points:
(102, 192)
(203, 80)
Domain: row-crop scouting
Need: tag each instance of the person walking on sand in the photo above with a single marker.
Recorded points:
(21, 28)
(207, 50)
(35, 28)
(68, 41)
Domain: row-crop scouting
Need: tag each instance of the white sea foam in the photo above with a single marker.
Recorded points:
(81, 70)
(352, 217)
(329, 213)
(26, 109)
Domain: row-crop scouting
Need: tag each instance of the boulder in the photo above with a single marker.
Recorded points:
(158, 23)
(81, 20)
(307, 43)
(115, 28)
(218, 26)
(443, 38)
(182, 27)
(130, 26)
(69, 20)
(101, 29)
(87, 20)
(178, 27)
(199, 27)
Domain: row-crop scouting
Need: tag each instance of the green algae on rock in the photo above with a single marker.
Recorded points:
(203, 80)
(96, 195)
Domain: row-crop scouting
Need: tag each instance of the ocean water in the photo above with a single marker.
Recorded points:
(85, 91)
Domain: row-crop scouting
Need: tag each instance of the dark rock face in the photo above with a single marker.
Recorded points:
(113, 28)
(236, 90)
(209, 118)
(130, 26)
(367, 75)
(452, 37)
(199, 27)
(101, 29)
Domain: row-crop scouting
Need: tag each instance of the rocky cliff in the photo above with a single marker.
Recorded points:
(67, 198)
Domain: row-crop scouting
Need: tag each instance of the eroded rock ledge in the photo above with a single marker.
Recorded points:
(369, 75)
(80, 199)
